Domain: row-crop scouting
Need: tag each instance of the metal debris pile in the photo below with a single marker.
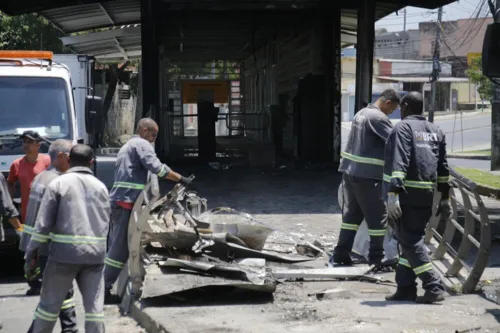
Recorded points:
(195, 248)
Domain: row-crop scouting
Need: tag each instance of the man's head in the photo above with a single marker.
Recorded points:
(388, 101)
(31, 142)
(59, 154)
(147, 129)
(81, 156)
(412, 104)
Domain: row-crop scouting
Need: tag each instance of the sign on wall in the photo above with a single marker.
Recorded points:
(191, 91)
(471, 56)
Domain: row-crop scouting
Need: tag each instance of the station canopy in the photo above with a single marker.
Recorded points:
(228, 32)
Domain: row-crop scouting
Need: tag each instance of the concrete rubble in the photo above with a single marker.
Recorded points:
(190, 248)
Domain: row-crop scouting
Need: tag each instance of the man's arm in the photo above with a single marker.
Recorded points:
(443, 170)
(381, 127)
(7, 208)
(153, 164)
(398, 152)
(12, 179)
(45, 220)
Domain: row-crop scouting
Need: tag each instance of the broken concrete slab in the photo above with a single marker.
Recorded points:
(161, 282)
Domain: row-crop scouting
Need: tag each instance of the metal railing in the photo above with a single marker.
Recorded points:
(460, 273)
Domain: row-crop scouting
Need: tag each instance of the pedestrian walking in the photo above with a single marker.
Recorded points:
(74, 217)
(415, 164)
(58, 152)
(362, 167)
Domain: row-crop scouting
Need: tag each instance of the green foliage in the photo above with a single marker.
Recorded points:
(475, 74)
(29, 32)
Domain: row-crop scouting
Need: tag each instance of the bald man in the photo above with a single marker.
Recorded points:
(135, 159)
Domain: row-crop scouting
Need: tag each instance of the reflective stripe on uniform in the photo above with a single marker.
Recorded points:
(132, 186)
(404, 262)
(68, 303)
(113, 263)
(75, 239)
(67, 239)
(422, 269)
(398, 174)
(347, 226)
(412, 183)
(94, 317)
(444, 179)
(162, 172)
(360, 159)
(44, 315)
(376, 232)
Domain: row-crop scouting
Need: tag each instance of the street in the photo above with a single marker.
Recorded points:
(474, 127)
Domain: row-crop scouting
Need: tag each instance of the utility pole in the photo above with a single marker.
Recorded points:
(404, 34)
(495, 110)
(436, 66)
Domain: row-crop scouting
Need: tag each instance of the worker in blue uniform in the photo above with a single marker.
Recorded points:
(415, 165)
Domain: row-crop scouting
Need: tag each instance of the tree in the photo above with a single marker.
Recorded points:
(475, 74)
(29, 32)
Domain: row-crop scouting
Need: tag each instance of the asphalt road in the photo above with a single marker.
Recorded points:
(475, 130)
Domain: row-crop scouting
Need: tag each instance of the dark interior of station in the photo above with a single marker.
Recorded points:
(241, 78)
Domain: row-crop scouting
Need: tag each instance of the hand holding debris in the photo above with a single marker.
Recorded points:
(186, 181)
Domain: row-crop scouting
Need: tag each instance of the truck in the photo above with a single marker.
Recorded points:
(47, 93)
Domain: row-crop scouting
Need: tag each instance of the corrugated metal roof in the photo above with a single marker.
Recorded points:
(119, 43)
(99, 14)
(16, 7)
(95, 15)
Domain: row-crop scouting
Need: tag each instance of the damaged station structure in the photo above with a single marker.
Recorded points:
(275, 67)
(269, 60)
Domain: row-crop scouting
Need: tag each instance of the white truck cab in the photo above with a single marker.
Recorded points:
(38, 92)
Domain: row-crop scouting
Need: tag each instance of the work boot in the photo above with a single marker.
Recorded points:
(342, 258)
(430, 298)
(403, 295)
(33, 291)
(110, 299)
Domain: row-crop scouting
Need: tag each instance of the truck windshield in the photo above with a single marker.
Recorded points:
(37, 103)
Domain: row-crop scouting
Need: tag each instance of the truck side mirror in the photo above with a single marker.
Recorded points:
(94, 120)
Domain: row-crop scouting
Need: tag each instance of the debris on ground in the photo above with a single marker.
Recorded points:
(195, 248)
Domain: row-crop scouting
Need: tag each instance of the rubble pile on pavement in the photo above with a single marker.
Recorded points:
(195, 248)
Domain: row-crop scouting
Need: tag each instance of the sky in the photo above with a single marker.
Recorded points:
(414, 15)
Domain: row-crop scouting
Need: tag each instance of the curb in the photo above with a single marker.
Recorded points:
(470, 157)
(149, 324)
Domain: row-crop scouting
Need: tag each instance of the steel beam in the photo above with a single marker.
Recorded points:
(364, 53)
(150, 58)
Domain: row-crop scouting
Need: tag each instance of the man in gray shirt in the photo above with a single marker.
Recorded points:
(58, 152)
(74, 216)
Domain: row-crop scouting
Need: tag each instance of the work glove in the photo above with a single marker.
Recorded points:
(31, 269)
(393, 207)
(444, 209)
(185, 181)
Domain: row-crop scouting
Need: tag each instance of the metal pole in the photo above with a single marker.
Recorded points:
(495, 111)
(436, 66)
(404, 34)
